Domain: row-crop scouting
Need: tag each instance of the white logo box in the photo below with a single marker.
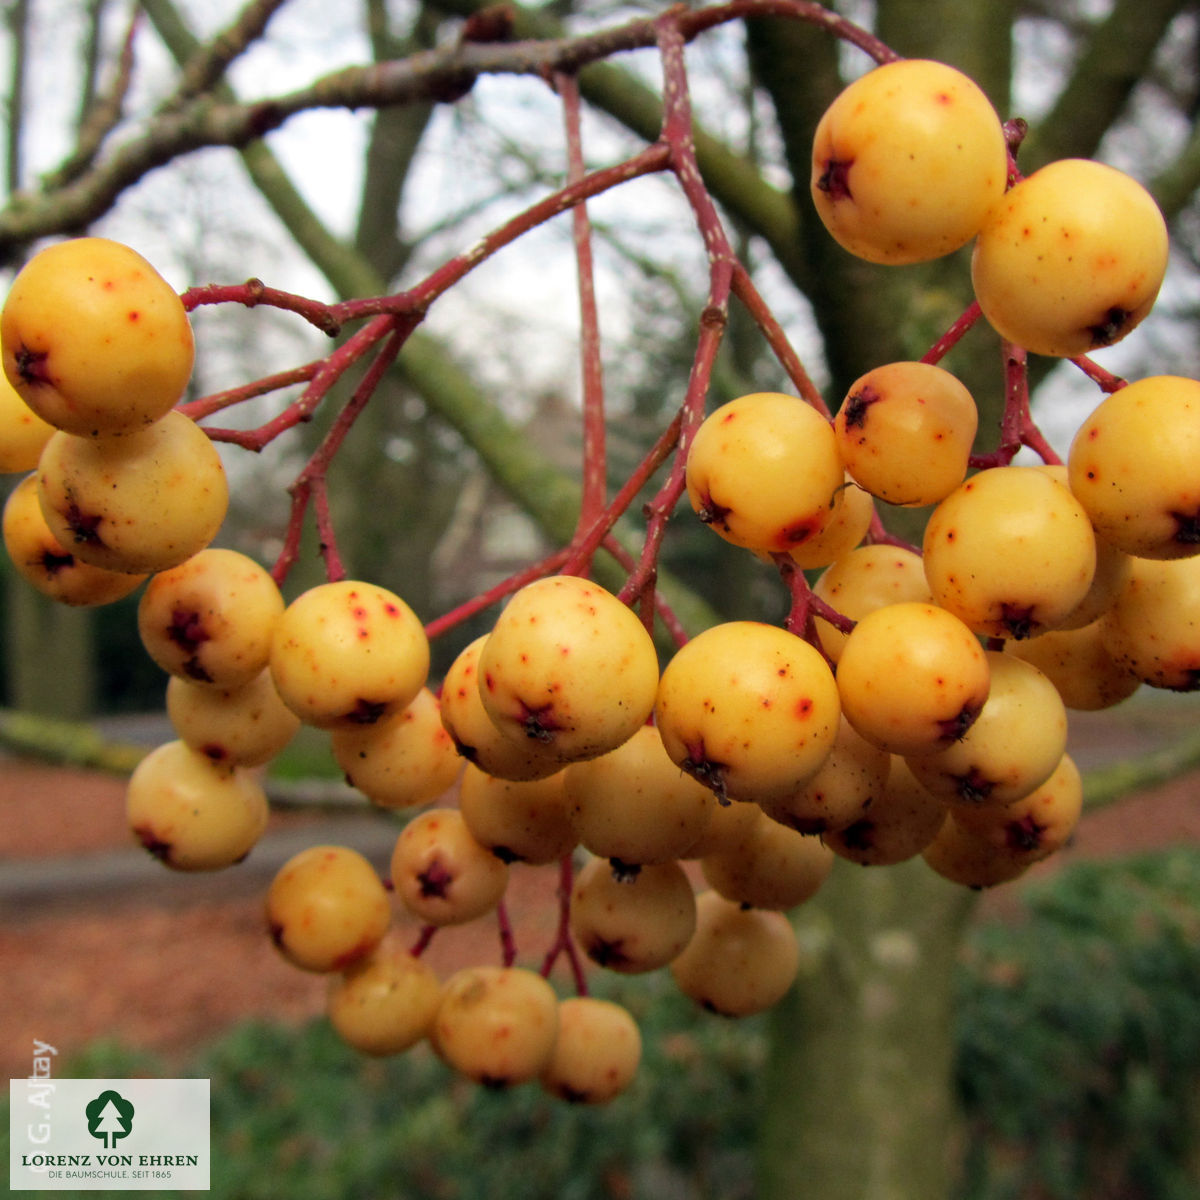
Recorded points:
(108, 1134)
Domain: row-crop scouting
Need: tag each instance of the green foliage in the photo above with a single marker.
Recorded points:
(296, 1113)
(1079, 1037)
(1078, 1071)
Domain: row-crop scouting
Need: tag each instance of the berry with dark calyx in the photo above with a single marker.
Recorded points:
(344, 653)
(441, 874)
(405, 759)
(1071, 259)
(42, 561)
(327, 908)
(191, 813)
(635, 922)
(739, 961)
(749, 709)
(496, 1025)
(907, 162)
(596, 1053)
(912, 678)
(95, 340)
(386, 1002)
(139, 502)
(211, 618)
(568, 667)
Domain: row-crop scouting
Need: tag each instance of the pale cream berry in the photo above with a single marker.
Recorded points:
(867, 578)
(771, 867)
(1011, 552)
(1035, 826)
(632, 920)
(441, 874)
(912, 678)
(763, 472)
(1132, 465)
(841, 791)
(474, 733)
(634, 804)
(1013, 747)
(211, 618)
(386, 1002)
(750, 710)
(907, 162)
(246, 726)
(95, 340)
(346, 653)
(1080, 665)
(596, 1053)
(518, 820)
(905, 432)
(138, 502)
(404, 760)
(569, 667)
(897, 827)
(23, 434)
(964, 857)
(740, 960)
(1071, 259)
(848, 523)
(327, 908)
(496, 1025)
(40, 559)
(192, 814)
(1153, 628)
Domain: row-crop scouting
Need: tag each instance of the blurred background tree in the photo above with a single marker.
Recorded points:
(465, 464)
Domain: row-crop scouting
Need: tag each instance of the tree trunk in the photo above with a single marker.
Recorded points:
(51, 665)
(860, 1098)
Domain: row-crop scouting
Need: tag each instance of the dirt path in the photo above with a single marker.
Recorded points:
(98, 940)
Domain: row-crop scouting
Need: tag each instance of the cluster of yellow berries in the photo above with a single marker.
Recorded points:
(923, 712)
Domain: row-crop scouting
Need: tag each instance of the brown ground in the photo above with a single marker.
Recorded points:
(97, 940)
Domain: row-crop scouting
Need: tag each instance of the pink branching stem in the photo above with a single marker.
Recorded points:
(1017, 426)
(588, 539)
(508, 942)
(411, 304)
(328, 371)
(693, 23)
(205, 406)
(807, 606)
(953, 335)
(422, 943)
(658, 510)
(563, 942)
(595, 457)
(290, 552)
(254, 292)
(418, 298)
(516, 581)
(311, 482)
(748, 294)
(652, 603)
(335, 569)
(1106, 381)
(879, 535)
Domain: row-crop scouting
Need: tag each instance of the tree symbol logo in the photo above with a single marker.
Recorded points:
(109, 1117)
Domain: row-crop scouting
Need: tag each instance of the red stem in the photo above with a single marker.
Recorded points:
(563, 942)
(508, 943)
(595, 468)
(953, 335)
(1106, 381)
(538, 570)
